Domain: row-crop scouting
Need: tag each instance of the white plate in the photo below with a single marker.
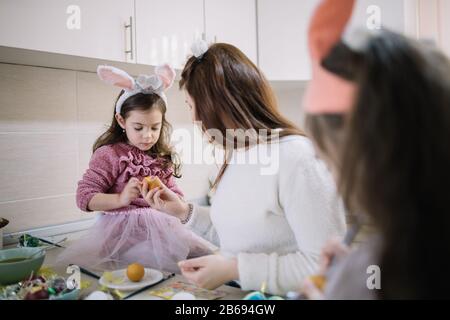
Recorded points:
(151, 276)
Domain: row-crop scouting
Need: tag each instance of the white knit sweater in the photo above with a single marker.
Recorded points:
(276, 224)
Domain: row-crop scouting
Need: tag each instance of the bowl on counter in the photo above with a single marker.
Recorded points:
(3, 223)
(15, 265)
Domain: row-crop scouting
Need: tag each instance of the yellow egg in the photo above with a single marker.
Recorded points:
(319, 280)
(153, 182)
(135, 272)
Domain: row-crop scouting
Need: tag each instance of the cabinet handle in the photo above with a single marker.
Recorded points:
(129, 26)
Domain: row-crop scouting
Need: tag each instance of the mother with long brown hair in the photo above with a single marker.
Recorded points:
(269, 224)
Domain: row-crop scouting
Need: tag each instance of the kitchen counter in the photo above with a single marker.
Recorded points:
(232, 292)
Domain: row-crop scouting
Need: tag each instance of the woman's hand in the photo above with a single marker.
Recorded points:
(165, 200)
(333, 249)
(311, 291)
(131, 192)
(211, 271)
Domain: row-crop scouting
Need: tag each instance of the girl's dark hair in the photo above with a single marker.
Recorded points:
(162, 147)
(393, 157)
(230, 92)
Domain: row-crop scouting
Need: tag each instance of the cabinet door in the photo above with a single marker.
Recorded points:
(433, 22)
(83, 27)
(430, 20)
(376, 14)
(282, 40)
(234, 22)
(444, 10)
(165, 30)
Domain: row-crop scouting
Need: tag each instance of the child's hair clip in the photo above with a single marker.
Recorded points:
(199, 48)
(154, 84)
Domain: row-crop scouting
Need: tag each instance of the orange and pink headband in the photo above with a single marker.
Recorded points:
(327, 92)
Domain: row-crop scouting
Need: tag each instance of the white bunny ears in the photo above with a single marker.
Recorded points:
(159, 82)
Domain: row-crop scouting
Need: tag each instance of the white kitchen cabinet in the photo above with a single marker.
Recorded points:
(282, 30)
(378, 14)
(420, 19)
(234, 22)
(283, 25)
(430, 20)
(84, 28)
(166, 30)
(444, 20)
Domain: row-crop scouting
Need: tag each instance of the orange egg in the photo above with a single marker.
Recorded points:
(153, 182)
(319, 281)
(135, 272)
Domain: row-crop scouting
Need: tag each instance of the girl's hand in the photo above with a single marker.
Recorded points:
(211, 271)
(131, 192)
(165, 200)
(333, 249)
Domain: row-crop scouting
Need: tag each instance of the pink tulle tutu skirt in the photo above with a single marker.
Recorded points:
(144, 235)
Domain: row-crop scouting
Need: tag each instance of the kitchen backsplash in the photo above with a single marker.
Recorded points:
(49, 119)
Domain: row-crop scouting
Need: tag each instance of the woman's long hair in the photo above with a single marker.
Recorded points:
(230, 92)
(162, 147)
(393, 157)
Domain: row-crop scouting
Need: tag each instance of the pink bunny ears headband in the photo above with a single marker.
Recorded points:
(157, 83)
(327, 92)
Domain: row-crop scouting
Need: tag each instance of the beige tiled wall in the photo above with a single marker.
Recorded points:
(39, 149)
(49, 119)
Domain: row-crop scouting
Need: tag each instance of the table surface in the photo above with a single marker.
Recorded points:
(51, 255)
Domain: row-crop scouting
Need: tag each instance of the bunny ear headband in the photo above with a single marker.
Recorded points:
(157, 83)
(327, 92)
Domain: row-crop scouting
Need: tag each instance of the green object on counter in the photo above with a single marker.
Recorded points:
(71, 295)
(13, 272)
(258, 295)
(255, 295)
(27, 240)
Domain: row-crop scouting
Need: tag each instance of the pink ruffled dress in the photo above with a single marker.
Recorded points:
(136, 233)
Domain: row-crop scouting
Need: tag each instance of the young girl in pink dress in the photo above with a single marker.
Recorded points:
(135, 146)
